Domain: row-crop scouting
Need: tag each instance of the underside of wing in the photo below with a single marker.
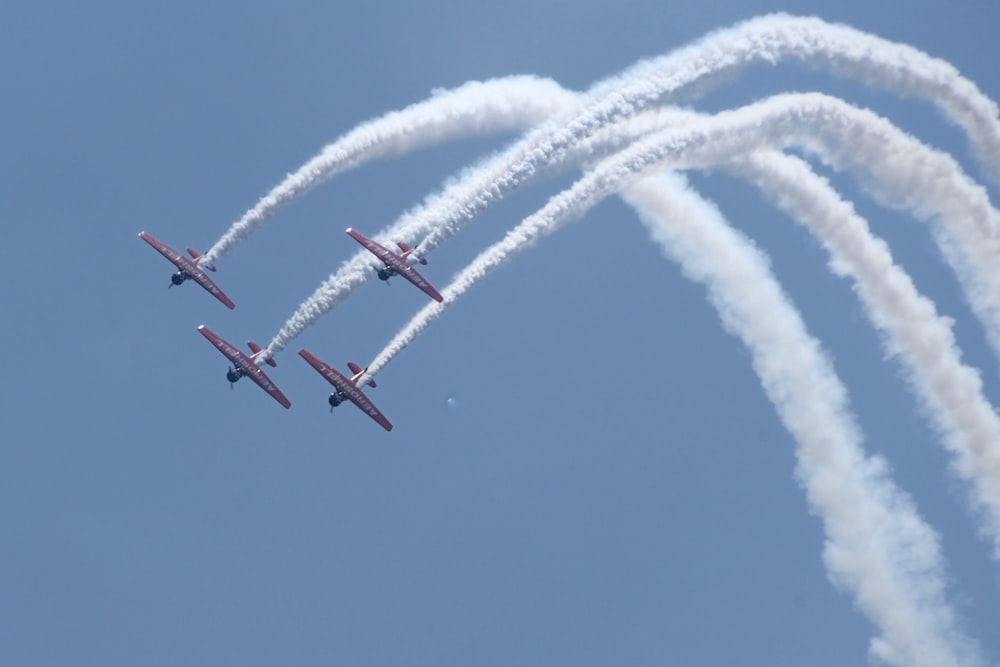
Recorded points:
(414, 277)
(374, 248)
(213, 289)
(265, 383)
(162, 248)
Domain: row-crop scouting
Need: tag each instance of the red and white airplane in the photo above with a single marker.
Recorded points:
(187, 269)
(347, 389)
(396, 264)
(244, 366)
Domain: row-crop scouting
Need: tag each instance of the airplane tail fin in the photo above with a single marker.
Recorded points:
(408, 250)
(358, 372)
(257, 349)
(195, 255)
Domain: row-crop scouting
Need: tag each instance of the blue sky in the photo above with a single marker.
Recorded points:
(580, 473)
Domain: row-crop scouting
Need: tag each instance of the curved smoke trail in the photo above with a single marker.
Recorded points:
(951, 391)
(819, 121)
(472, 109)
(878, 547)
(972, 426)
(690, 71)
(684, 73)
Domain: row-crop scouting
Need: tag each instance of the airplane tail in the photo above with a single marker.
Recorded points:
(257, 349)
(407, 251)
(358, 372)
(195, 255)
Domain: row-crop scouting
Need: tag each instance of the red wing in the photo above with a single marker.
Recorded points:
(199, 277)
(230, 351)
(245, 364)
(374, 248)
(162, 248)
(411, 274)
(347, 388)
(265, 383)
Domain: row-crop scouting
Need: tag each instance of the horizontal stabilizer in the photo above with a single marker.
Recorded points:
(358, 372)
(408, 250)
(257, 349)
(195, 255)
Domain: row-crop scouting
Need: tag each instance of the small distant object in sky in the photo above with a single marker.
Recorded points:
(452, 402)
(188, 269)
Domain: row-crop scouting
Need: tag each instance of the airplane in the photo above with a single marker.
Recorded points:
(187, 269)
(245, 366)
(396, 264)
(347, 389)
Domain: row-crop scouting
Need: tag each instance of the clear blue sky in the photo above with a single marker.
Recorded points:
(608, 484)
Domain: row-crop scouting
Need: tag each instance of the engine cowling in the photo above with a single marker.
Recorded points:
(335, 399)
(178, 278)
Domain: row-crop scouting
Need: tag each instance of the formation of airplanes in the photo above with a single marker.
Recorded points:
(249, 365)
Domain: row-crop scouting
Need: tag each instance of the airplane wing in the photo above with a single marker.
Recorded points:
(213, 289)
(347, 388)
(411, 274)
(162, 248)
(374, 248)
(398, 263)
(188, 267)
(245, 364)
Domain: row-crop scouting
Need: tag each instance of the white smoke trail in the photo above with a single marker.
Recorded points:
(819, 120)
(900, 171)
(769, 39)
(878, 547)
(352, 274)
(474, 108)
(684, 73)
(952, 390)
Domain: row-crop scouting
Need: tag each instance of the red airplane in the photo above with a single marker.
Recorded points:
(396, 264)
(347, 389)
(244, 365)
(187, 269)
